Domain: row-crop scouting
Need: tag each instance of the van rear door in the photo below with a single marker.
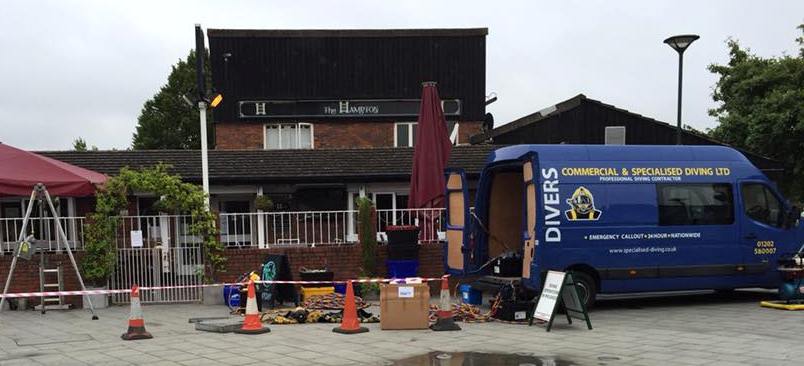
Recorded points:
(457, 219)
(529, 217)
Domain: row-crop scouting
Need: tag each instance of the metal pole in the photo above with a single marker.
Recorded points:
(17, 252)
(202, 107)
(63, 235)
(678, 117)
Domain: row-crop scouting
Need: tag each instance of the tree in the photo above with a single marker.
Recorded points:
(761, 108)
(80, 144)
(166, 120)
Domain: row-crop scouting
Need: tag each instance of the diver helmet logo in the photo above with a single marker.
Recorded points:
(582, 206)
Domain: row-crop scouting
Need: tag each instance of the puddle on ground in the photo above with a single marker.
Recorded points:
(480, 358)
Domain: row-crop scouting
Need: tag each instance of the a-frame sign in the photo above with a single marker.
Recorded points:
(559, 287)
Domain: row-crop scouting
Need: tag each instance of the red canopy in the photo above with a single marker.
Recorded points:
(21, 170)
(431, 152)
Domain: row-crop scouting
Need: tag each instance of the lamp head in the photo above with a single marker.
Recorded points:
(681, 42)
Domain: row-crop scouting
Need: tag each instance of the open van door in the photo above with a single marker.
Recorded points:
(457, 219)
(529, 218)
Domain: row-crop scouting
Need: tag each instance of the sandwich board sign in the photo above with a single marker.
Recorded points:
(559, 287)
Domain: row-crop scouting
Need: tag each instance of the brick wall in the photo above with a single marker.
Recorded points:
(238, 135)
(350, 134)
(326, 134)
(26, 275)
(466, 130)
(345, 261)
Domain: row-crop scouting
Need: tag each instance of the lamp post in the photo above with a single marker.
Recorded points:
(680, 44)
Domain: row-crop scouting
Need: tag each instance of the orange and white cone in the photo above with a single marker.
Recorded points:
(350, 324)
(136, 324)
(445, 321)
(252, 323)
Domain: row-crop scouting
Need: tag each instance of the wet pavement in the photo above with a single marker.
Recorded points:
(708, 329)
(438, 358)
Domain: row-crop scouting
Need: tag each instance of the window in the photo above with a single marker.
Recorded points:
(405, 133)
(761, 205)
(289, 136)
(695, 204)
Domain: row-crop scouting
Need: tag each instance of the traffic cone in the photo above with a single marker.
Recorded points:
(350, 324)
(445, 321)
(252, 323)
(136, 324)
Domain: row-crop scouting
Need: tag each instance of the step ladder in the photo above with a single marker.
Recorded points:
(51, 279)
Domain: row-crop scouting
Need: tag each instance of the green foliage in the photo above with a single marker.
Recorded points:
(367, 234)
(80, 144)
(166, 121)
(368, 289)
(99, 258)
(177, 196)
(760, 108)
(264, 203)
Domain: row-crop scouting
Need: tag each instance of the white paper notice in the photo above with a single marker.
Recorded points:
(547, 300)
(405, 291)
(136, 238)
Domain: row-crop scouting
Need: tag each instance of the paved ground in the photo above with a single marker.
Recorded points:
(705, 330)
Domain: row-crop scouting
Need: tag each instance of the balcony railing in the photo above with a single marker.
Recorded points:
(254, 229)
(44, 232)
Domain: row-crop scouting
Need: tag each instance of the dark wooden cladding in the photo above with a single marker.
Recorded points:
(581, 120)
(348, 64)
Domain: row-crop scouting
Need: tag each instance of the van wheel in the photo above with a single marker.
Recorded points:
(587, 288)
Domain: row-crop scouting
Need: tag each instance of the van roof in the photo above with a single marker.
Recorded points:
(619, 153)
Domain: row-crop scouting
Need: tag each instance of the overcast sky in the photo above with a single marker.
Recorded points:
(70, 69)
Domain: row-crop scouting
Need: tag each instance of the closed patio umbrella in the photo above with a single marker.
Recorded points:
(430, 156)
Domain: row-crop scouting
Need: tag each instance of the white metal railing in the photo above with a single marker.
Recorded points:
(254, 229)
(179, 267)
(306, 228)
(429, 220)
(44, 231)
(168, 231)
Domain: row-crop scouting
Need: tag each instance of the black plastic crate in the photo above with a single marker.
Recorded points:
(508, 266)
(327, 276)
(398, 252)
(402, 235)
(511, 310)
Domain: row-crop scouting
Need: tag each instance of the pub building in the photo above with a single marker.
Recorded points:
(341, 89)
(312, 119)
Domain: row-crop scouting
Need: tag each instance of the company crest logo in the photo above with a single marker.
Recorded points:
(582, 206)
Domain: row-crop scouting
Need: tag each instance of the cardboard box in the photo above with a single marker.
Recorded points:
(404, 306)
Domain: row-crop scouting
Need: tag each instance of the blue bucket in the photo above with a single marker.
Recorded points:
(470, 295)
(228, 290)
(340, 288)
(234, 301)
(402, 268)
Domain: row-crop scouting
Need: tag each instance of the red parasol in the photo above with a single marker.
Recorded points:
(431, 152)
(21, 170)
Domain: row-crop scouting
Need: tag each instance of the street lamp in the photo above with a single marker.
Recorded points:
(680, 43)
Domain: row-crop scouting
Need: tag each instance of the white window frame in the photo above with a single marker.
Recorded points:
(410, 133)
(298, 135)
(454, 135)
